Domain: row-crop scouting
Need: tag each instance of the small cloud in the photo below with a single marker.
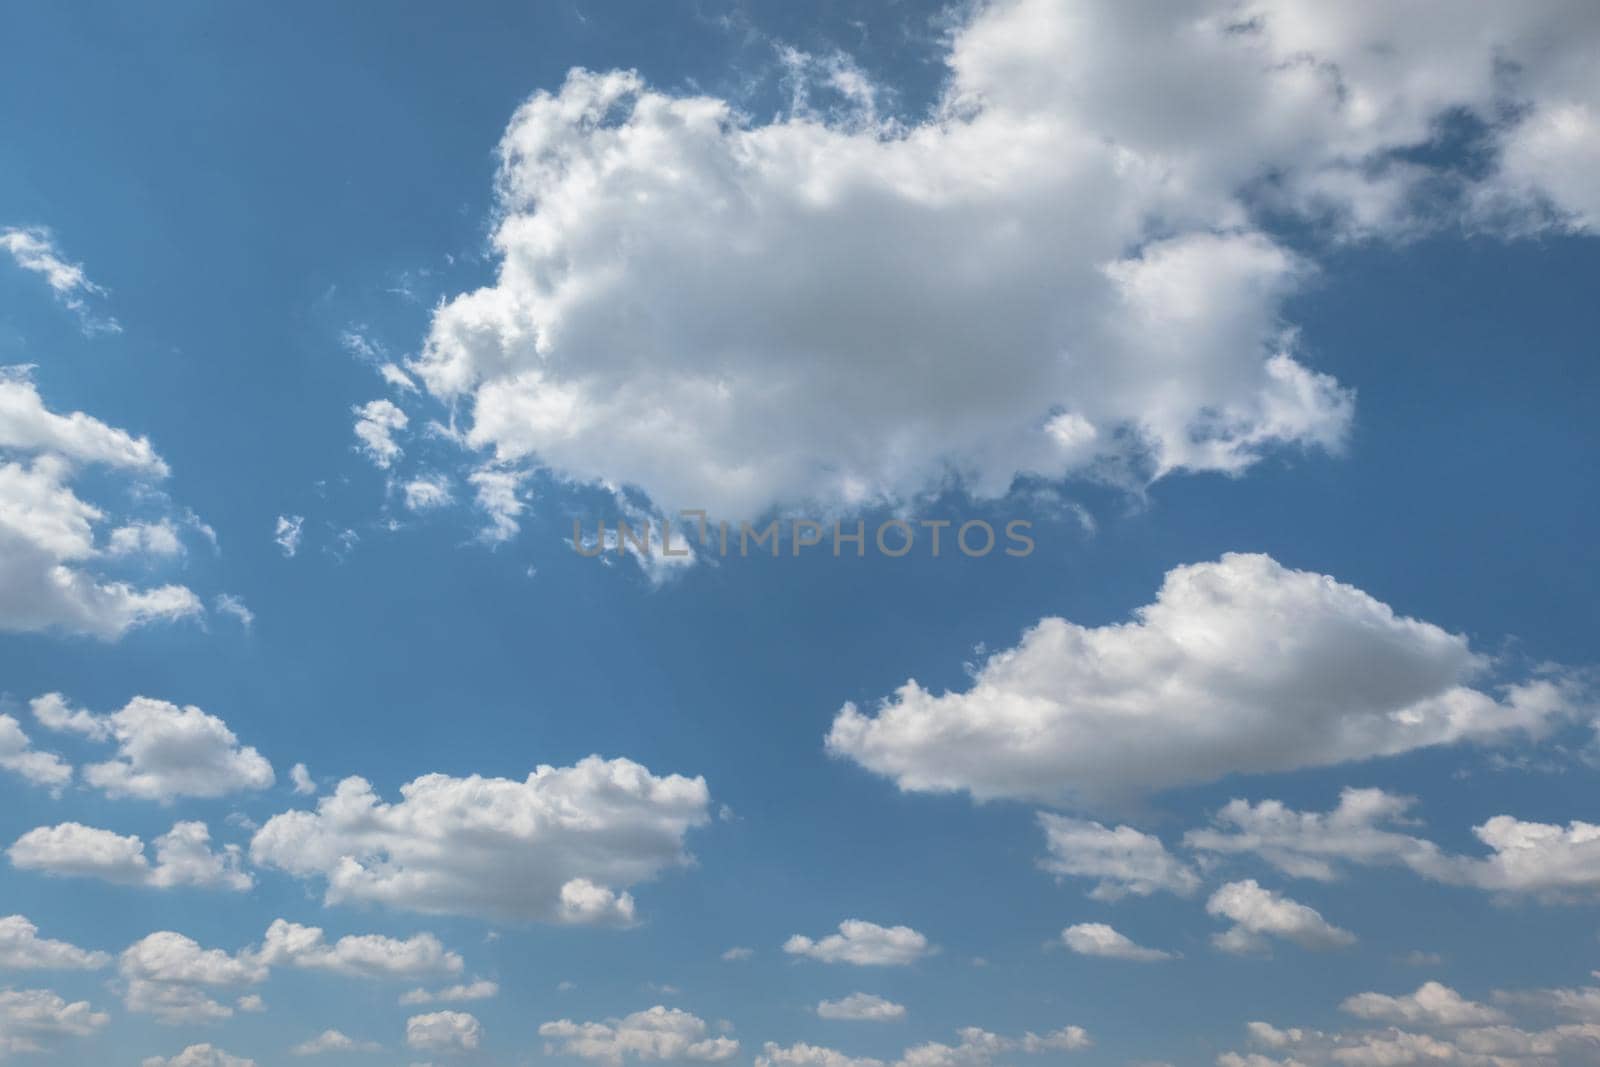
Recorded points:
(287, 534)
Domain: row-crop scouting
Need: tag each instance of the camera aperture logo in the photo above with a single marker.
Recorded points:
(693, 534)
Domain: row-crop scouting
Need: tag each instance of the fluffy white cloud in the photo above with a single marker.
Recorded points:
(173, 978)
(1098, 939)
(31, 1020)
(301, 779)
(200, 1056)
(657, 1034)
(1315, 845)
(864, 944)
(1092, 232)
(804, 1055)
(333, 1041)
(359, 956)
(183, 857)
(18, 756)
(1258, 914)
(1432, 1004)
(1239, 666)
(1526, 857)
(376, 424)
(481, 989)
(737, 953)
(976, 1048)
(47, 532)
(1443, 1026)
(21, 949)
(443, 1031)
(864, 1007)
(554, 847)
(1124, 860)
(163, 751)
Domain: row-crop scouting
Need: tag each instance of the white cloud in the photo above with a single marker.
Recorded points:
(1093, 231)
(357, 956)
(286, 534)
(32, 1020)
(657, 1034)
(481, 989)
(183, 857)
(1432, 1004)
(863, 1007)
(804, 1055)
(333, 1041)
(1124, 860)
(738, 952)
(171, 977)
(555, 847)
(54, 713)
(47, 532)
(163, 751)
(18, 756)
(22, 949)
(1259, 914)
(864, 944)
(376, 424)
(1314, 845)
(976, 1048)
(425, 494)
(300, 777)
(1526, 857)
(1098, 939)
(498, 496)
(230, 605)
(34, 249)
(1239, 666)
(443, 1031)
(204, 1055)
(398, 378)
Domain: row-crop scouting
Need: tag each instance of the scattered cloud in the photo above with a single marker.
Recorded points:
(183, 857)
(864, 944)
(659, 1034)
(1240, 666)
(443, 1031)
(1259, 914)
(862, 1007)
(1098, 939)
(556, 847)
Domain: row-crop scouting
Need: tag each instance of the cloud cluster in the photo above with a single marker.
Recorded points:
(1434, 1024)
(1240, 665)
(183, 857)
(443, 1031)
(556, 847)
(33, 1020)
(1525, 857)
(864, 944)
(22, 949)
(975, 1048)
(1124, 860)
(658, 1034)
(1259, 914)
(48, 543)
(682, 290)
(163, 751)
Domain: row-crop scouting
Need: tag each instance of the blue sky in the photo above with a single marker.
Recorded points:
(322, 329)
